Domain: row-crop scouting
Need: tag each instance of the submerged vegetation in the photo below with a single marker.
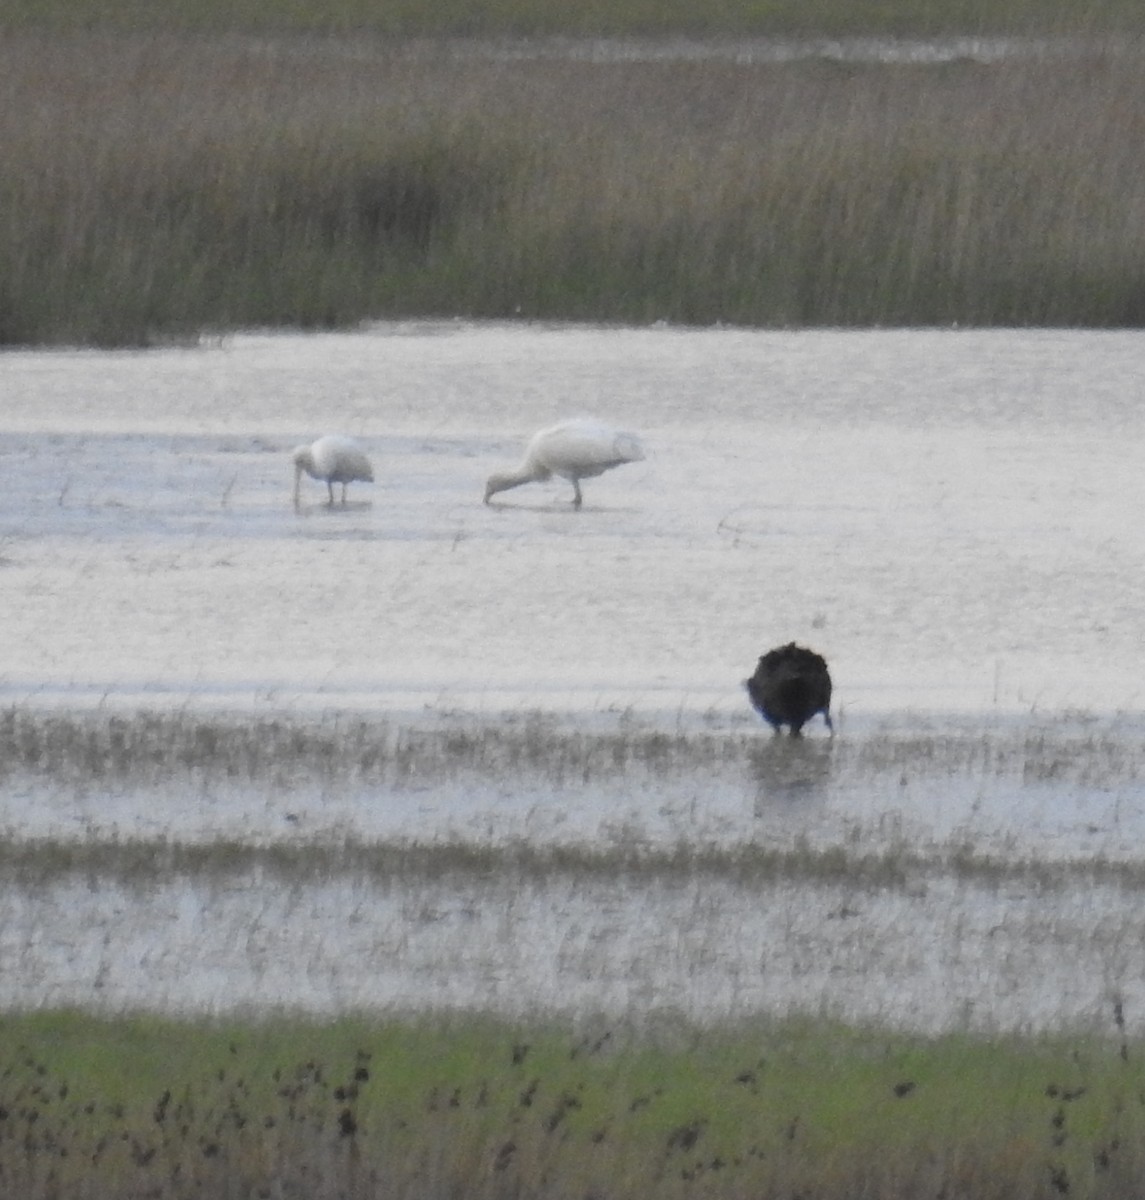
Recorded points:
(138, 1107)
(302, 761)
(158, 186)
(137, 863)
(336, 750)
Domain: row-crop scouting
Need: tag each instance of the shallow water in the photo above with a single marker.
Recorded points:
(946, 515)
(938, 50)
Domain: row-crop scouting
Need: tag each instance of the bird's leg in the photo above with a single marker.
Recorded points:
(577, 497)
(330, 489)
(343, 491)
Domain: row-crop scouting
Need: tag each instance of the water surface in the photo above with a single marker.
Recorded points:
(946, 515)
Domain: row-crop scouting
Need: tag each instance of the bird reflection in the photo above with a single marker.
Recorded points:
(787, 771)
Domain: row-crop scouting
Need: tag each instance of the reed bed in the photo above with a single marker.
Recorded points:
(161, 186)
(136, 1107)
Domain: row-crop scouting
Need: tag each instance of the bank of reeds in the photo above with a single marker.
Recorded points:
(112, 1109)
(157, 187)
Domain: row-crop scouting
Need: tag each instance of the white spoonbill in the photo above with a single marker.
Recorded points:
(574, 450)
(333, 459)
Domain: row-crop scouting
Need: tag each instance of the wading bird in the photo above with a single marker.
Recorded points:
(790, 685)
(332, 459)
(574, 450)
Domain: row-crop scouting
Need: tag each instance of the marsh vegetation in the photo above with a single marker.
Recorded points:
(197, 862)
(139, 1107)
(159, 186)
(641, 969)
(711, 800)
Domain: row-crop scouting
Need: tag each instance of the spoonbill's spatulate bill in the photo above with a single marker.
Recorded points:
(332, 459)
(790, 685)
(573, 450)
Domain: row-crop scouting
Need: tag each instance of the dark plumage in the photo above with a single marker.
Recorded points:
(790, 685)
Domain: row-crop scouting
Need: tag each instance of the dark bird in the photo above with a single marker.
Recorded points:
(790, 685)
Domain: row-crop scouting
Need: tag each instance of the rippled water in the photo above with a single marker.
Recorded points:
(779, 50)
(947, 515)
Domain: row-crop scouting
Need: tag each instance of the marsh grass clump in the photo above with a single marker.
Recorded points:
(476, 1108)
(89, 749)
(342, 752)
(459, 863)
(1042, 752)
(97, 746)
(159, 186)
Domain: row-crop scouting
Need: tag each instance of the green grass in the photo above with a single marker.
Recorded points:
(159, 186)
(144, 1107)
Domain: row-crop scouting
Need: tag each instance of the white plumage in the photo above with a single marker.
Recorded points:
(332, 459)
(573, 450)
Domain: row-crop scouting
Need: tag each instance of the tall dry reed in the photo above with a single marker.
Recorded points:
(157, 187)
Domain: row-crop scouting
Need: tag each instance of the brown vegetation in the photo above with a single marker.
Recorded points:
(158, 186)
